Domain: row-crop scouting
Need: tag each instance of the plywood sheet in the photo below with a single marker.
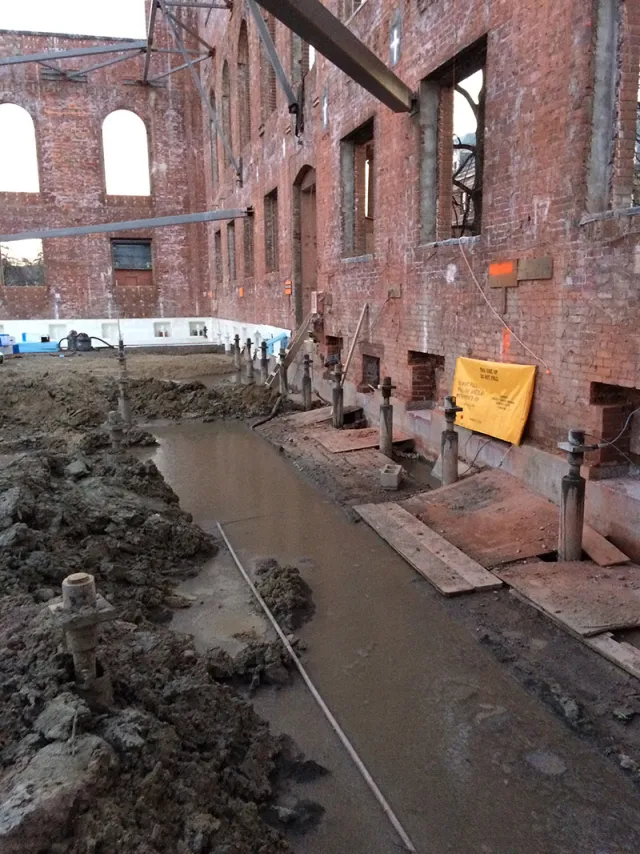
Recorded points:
(621, 653)
(341, 441)
(581, 596)
(443, 578)
(492, 517)
(601, 550)
(317, 416)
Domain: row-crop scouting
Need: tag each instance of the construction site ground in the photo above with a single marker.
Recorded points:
(485, 726)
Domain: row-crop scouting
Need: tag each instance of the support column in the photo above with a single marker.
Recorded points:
(306, 383)
(116, 431)
(572, 499)
(249, 378)
(338, 398)
(282, 374)
(449, 442)
(264, 363)
(236, 358)
(124, 404)
(386, 418)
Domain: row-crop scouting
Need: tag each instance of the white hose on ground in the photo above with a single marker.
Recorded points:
(371, 783)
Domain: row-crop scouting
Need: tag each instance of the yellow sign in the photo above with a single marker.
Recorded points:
(496, 397)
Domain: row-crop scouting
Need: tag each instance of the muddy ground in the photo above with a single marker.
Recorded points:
(178, 762)
(593, 697)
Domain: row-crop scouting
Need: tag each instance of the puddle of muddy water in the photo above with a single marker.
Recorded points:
(445, 732)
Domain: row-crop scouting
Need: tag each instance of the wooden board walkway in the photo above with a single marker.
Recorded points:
(342, 441)
(316, 416)
(496, 519)
(579, 596)
(450, 571)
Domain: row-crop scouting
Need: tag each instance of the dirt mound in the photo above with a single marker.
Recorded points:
(285, 591)
(114, 517)
(179, 764)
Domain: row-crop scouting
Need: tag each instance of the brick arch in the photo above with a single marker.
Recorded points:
(19, 144)
(126, 154)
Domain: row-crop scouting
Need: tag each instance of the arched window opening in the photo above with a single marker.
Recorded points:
(226, 104)
(18, 151)
(244, 97)
(214, 141)
(268, 75)
(126, 154)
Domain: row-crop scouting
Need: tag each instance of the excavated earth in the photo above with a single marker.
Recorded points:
(179, 761)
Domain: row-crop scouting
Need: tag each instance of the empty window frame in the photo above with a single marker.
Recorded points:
(271, 234)
(268, 88)
(244, 90)
(217, 255)
(231, 250)
(21, 263)
(132, 262)
(358, 191)
(126, 154)
(18, 151)
(427, 371)
(452, 121)
(248, 236)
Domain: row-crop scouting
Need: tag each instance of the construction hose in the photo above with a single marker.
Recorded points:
(273, 414)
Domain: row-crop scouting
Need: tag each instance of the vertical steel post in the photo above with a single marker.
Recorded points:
(264, 363)
(282, 373)
(572, 499)
(249, 378)
(338, 398)
(386, 418)
(306, 382)
(449, 442)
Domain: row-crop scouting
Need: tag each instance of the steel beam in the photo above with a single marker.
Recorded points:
(129, 225)
(189, 30)
(149, 42)
(190, 5)
(272, 53)
(203, 95)
(118, 47)
(314, 23)
(104, 64)
(179, 68)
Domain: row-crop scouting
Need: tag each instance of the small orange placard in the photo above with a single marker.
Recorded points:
(240, 292)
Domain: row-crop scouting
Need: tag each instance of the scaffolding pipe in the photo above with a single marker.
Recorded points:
(130, 225)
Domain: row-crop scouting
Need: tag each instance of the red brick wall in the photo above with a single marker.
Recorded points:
(582, 323)
(68, 119)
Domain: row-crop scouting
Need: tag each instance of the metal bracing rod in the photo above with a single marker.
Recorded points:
(179, 68)
(203, 95)
(104, 64)
(119, 47)
(55, 68)
(149, 42)
(190, 5)
(314, 23)
(129, 225)
(189, 30)
(272, 53)
(175, 50)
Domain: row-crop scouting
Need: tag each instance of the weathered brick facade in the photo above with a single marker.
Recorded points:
(541, 67)
(68, 116)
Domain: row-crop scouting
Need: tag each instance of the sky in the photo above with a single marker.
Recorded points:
(119, 18)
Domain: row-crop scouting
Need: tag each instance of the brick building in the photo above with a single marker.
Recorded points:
(157, 275)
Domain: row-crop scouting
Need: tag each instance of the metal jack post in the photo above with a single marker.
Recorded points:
(249, 364)
(386, 418)
(449, 442)
(236, 355)
(124, 404)
(572, 498)
(116, 430)
(284, 385)
(306, 382)
(264, 363)
(338, 397)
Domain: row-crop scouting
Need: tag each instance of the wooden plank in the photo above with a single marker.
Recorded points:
(317, 416)
(444, 579)
(365, 307)
(341, 441)
(580, 596)
(475, 574)
(532, 269)
(292, 349)
(601, 550)
(621, 653)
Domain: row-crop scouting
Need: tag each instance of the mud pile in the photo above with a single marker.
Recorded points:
(114, 517)
(179, 764)
(286, 593)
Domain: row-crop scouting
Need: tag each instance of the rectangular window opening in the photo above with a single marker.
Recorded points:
(358, 191)
(427, 373)
(217, 252)
(21, 263)
(613, 406)
(370, 371)
(132, 262)
(271, 234)
(231, 247)
(452, 130)
(249, 260)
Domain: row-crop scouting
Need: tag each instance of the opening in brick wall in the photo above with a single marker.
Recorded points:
(333, 350)
(132, 262)
(214, 142)
(271, 235)
(358, 191)
(249, 262)
(268, 89)
(370, 371)
(231, 250)
(613, 407)
(226, 105)
(244, 95)
(21, 263)
(427, 371)
(452, 126)
(217, 253)
(18, 151)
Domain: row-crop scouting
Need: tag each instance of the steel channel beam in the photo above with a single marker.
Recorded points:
(189, 30)
(77, 51)
(178, 68)
(272, 53)
(149, 42)
(317, 25)
(104, 64)
(199, 6)
(129, 225)
(203, 95)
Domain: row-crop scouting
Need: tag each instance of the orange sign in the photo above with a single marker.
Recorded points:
(240, 292)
